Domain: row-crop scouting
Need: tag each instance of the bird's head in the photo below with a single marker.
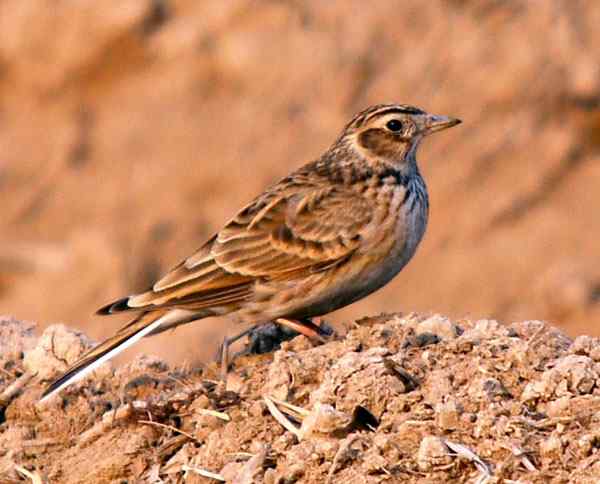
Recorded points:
(391, 133)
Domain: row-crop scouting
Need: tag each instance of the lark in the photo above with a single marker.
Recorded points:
(323, 237)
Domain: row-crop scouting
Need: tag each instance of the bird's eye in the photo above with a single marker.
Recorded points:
(394, 125)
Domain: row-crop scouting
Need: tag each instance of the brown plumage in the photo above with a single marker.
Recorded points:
(323, 237)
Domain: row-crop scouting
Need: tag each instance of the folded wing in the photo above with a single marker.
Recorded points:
(281, 235)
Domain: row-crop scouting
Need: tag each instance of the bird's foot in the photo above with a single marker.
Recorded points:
(268, 337)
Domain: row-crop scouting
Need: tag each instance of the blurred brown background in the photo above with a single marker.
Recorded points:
(131, 130)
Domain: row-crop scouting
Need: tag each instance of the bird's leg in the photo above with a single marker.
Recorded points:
(223, 351)
(305, 327)
(320, 326)
(267, 337)
(229, 341)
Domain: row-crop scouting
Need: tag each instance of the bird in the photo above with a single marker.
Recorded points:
(330, 233)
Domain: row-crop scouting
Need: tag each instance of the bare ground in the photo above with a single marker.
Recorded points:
(398, 398)
(128, 135)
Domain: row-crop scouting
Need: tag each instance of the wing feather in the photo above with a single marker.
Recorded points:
(291, 231)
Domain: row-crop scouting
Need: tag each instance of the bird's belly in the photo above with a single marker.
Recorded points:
(409, 229)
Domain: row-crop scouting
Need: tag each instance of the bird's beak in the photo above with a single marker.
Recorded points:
(435, 123)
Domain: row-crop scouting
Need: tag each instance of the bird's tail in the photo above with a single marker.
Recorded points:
(143, 325)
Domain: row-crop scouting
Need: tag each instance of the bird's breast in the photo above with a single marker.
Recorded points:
(399, 239)
(412, 221)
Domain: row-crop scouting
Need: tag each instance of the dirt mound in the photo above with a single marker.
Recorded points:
(399, 398)
(128, 134)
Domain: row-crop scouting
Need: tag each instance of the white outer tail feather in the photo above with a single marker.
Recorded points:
(171, 316)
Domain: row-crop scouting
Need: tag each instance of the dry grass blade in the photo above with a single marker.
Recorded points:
(462, 451)
(281, 418)
(203, 473)
(522, 456)
(246, 455)
(295, 411)
(14, 389)
(35, 477)
(214, 413)
(170, 427)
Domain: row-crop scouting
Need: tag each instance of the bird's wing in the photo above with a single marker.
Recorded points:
(289, 231)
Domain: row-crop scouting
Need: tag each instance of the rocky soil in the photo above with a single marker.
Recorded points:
(130, 131)
(398, 398)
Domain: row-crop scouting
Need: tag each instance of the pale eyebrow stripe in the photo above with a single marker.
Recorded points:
(396, 109)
